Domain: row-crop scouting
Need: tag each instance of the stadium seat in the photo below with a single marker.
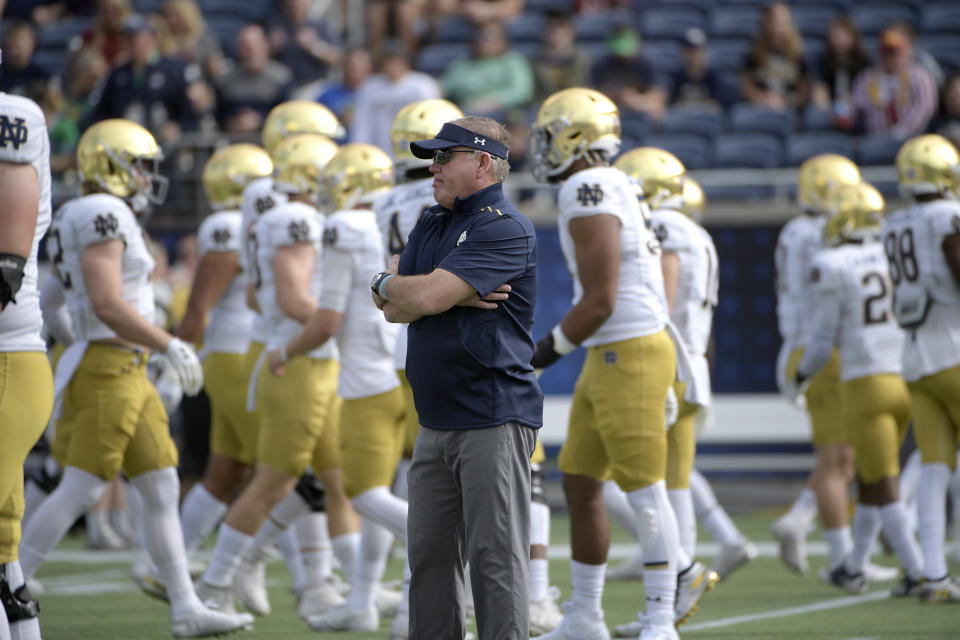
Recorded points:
(735, 20)
(226, 28)
(597, 26)
(435, 58)
(663, 54)
(877, 150)
(634, 124)
(248, 10)
(148, 6)
(940, 17)
(816, 119)
(671, 22)
(944, 47)
(812, 18)
(550, 5)
(59, 33)
(747, 150)
(703, 5)
(527, 48)
(745, 116)
(455, 30)
(813, 48)
(53, 61)
(691, 149)
(873, 18)
(526, 27)
(702, 122)
(729, 54)
(806, 145)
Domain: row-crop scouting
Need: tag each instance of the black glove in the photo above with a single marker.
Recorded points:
(544, 354)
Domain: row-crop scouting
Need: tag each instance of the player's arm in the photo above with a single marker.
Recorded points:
(596, 241)
(18, 219)
(670, 265)
(215, 271)
(951, 251)
(825, 331)
(292, 271)
(53, 306)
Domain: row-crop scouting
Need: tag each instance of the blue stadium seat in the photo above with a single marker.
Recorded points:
(549, 5)
(248, 10)
(59, 33)
(703, 5)
(692, 150)
(435, 58)
(812, 18)
(944, 47)
(873, 17)
(702, 122)
(816, 119)
(747, 150)
(745, 116)
(671, 22)
(148, 6)
(455, 30)
(663, 54)
(806, 145)
(226, 29)
(597, 26)
(735, 20)
(729, 54)
(813, 48)
(528, 48)
(940, 17)
(53, 61)
(877, 150)
(634, 124)
(526, 27)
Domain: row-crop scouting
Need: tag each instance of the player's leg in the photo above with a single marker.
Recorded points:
(735, 549)
(545, 615)
(412, 421)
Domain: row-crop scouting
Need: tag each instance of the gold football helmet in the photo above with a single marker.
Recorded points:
(694, 201)
(660, 174)
(820, 173)
(571, 124)
(853, 211)
(114, 155)
(418, 121)
(231, 169)
(357, 174)
(929, 165)
(298, 164)
(299, 116)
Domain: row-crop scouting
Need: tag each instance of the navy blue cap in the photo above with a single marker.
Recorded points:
(452, 135)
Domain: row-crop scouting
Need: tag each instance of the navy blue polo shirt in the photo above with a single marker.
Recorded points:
(470, 368)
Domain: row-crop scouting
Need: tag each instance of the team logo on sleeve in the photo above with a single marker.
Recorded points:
(815, 275)
(221, 236)
(330, 237)
(264, 204)
(14, 133)
(587, 195)
(106, 225)
(661, 232)
(299, 231)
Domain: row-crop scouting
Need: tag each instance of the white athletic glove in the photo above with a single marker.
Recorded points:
(167, 382)
(704, 419)
(783, 358)
(672, 408)
(185, 362)
(793, 392)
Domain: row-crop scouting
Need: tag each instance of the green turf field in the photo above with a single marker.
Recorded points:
(794, 607)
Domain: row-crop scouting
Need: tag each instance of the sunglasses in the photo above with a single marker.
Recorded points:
(443, 156)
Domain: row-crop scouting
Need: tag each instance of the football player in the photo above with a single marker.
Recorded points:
(851, 295)
(922, 243)
(26, 383)
(619, 313)
(373, 412)
(99, 253)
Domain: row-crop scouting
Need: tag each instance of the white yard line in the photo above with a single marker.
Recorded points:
(825, 605)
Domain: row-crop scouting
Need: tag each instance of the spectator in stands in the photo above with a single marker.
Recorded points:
(628, 77)
(491, 81)
(18, 71)
(188, 39)
(305, 45)
(897, 97)
(696, 85)
(948, 124)
(85, 72)
(482, 12)
(46, 11)
(252, 85)
(106, 33)
(844, 59)
(149, 89)
(925, 58)
(560, 63)
(397, 20)
(63, 132)
(383, 94)
(775, 71)
(339, 97)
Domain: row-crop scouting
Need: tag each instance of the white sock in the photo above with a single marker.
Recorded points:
(866, 528)
(23, 629)
(910, 477)
(837, 544)
(375, 542)
(313, 541)
(400, 480)
(539, 536)
(77, 493)
(4, 627)
(160, 491)
(232, 546)
(346, 548)
(539, 579)
(96, 522)
(619, 508)
(682, 502)
(276, 528)
(931, 501)
(384, 508)
(587, 582)
(289, 548)
(893, 518)
(200, 514)
(660, 542)
(711, 514)
(33, 497)
(804, 508)
(137, 517)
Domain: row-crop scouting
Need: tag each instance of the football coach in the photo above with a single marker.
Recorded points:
(467, 284)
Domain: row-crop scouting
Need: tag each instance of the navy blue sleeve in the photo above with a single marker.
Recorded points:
(493, 253)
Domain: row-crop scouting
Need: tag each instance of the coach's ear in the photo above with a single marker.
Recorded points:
(485, 166)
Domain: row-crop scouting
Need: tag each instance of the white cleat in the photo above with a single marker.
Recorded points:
(944, 590)
(207, 622)
(249, 585)
(793, 544)
(400, 627)
(343, 618)
(629, 569)
(731, 557)
(545, 615)
(840, 577)
(630, 629)
(216, 598)
(658, 626)
(879, 573)
(578, 624)
(692, 584)
(320, 598)
(151, 585)
(387, 601)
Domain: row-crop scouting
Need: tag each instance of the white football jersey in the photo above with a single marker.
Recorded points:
(282, 226)
(228, 327)
(926, 297)
(258, 197)
(850, 289)
(397, 214)
(352, 253)
(24, 140)
(90, 220)
(641, 307)
(799, 241)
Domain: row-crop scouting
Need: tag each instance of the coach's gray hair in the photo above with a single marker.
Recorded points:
(490, 128)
